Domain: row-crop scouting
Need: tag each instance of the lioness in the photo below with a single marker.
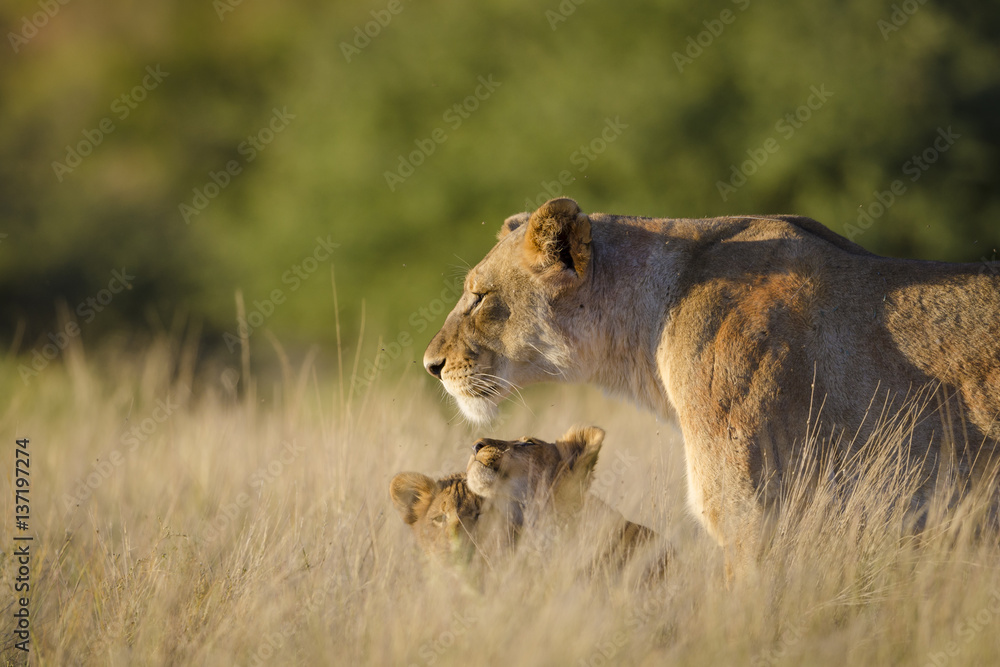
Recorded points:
(755, 330)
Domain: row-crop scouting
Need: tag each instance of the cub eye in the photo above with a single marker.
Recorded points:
(477, 300)
(439, 520)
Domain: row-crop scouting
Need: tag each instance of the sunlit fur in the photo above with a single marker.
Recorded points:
(755, 332)
(520, 486)
(546, 485)
(442, 513)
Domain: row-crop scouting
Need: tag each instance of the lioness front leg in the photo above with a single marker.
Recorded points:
(723, 497)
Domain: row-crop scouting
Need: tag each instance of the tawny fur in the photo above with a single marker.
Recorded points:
(443, 513)
(726, 322)
(546, 484)
(509, 483)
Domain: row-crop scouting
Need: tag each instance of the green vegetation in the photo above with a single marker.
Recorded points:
(205, 147)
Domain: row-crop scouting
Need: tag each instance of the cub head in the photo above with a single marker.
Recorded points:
(533, 473)
(442, 513)
(515, 322)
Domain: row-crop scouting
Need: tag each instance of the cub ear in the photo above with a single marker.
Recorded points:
(557, 242)
(579, 448)
(412, 494)
(512, 223)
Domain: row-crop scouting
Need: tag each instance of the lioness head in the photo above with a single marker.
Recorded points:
(517, 318)
(442, 513)
(532, 473)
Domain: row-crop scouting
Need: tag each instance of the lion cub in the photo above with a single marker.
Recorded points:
(544, 485)
(515, 486)
(451, 523)
(442, 513)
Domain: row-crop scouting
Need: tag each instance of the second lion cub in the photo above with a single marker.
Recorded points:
(544, 487)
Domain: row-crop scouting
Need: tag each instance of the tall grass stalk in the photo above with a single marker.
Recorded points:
(257, 529)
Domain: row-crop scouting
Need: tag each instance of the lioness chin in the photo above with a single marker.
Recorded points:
(754, 331)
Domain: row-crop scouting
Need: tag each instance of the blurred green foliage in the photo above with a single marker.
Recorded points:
(692, 87)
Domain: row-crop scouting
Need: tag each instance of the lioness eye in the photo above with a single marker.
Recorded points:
(439, 520)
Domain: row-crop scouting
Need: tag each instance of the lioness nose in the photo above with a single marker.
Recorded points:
(434, 366)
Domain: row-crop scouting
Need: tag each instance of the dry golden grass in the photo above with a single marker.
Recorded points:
(260, 531)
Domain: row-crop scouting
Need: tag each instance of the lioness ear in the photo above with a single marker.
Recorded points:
(412, 494)
(579, 448)
(557, 242)
(512, 223)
